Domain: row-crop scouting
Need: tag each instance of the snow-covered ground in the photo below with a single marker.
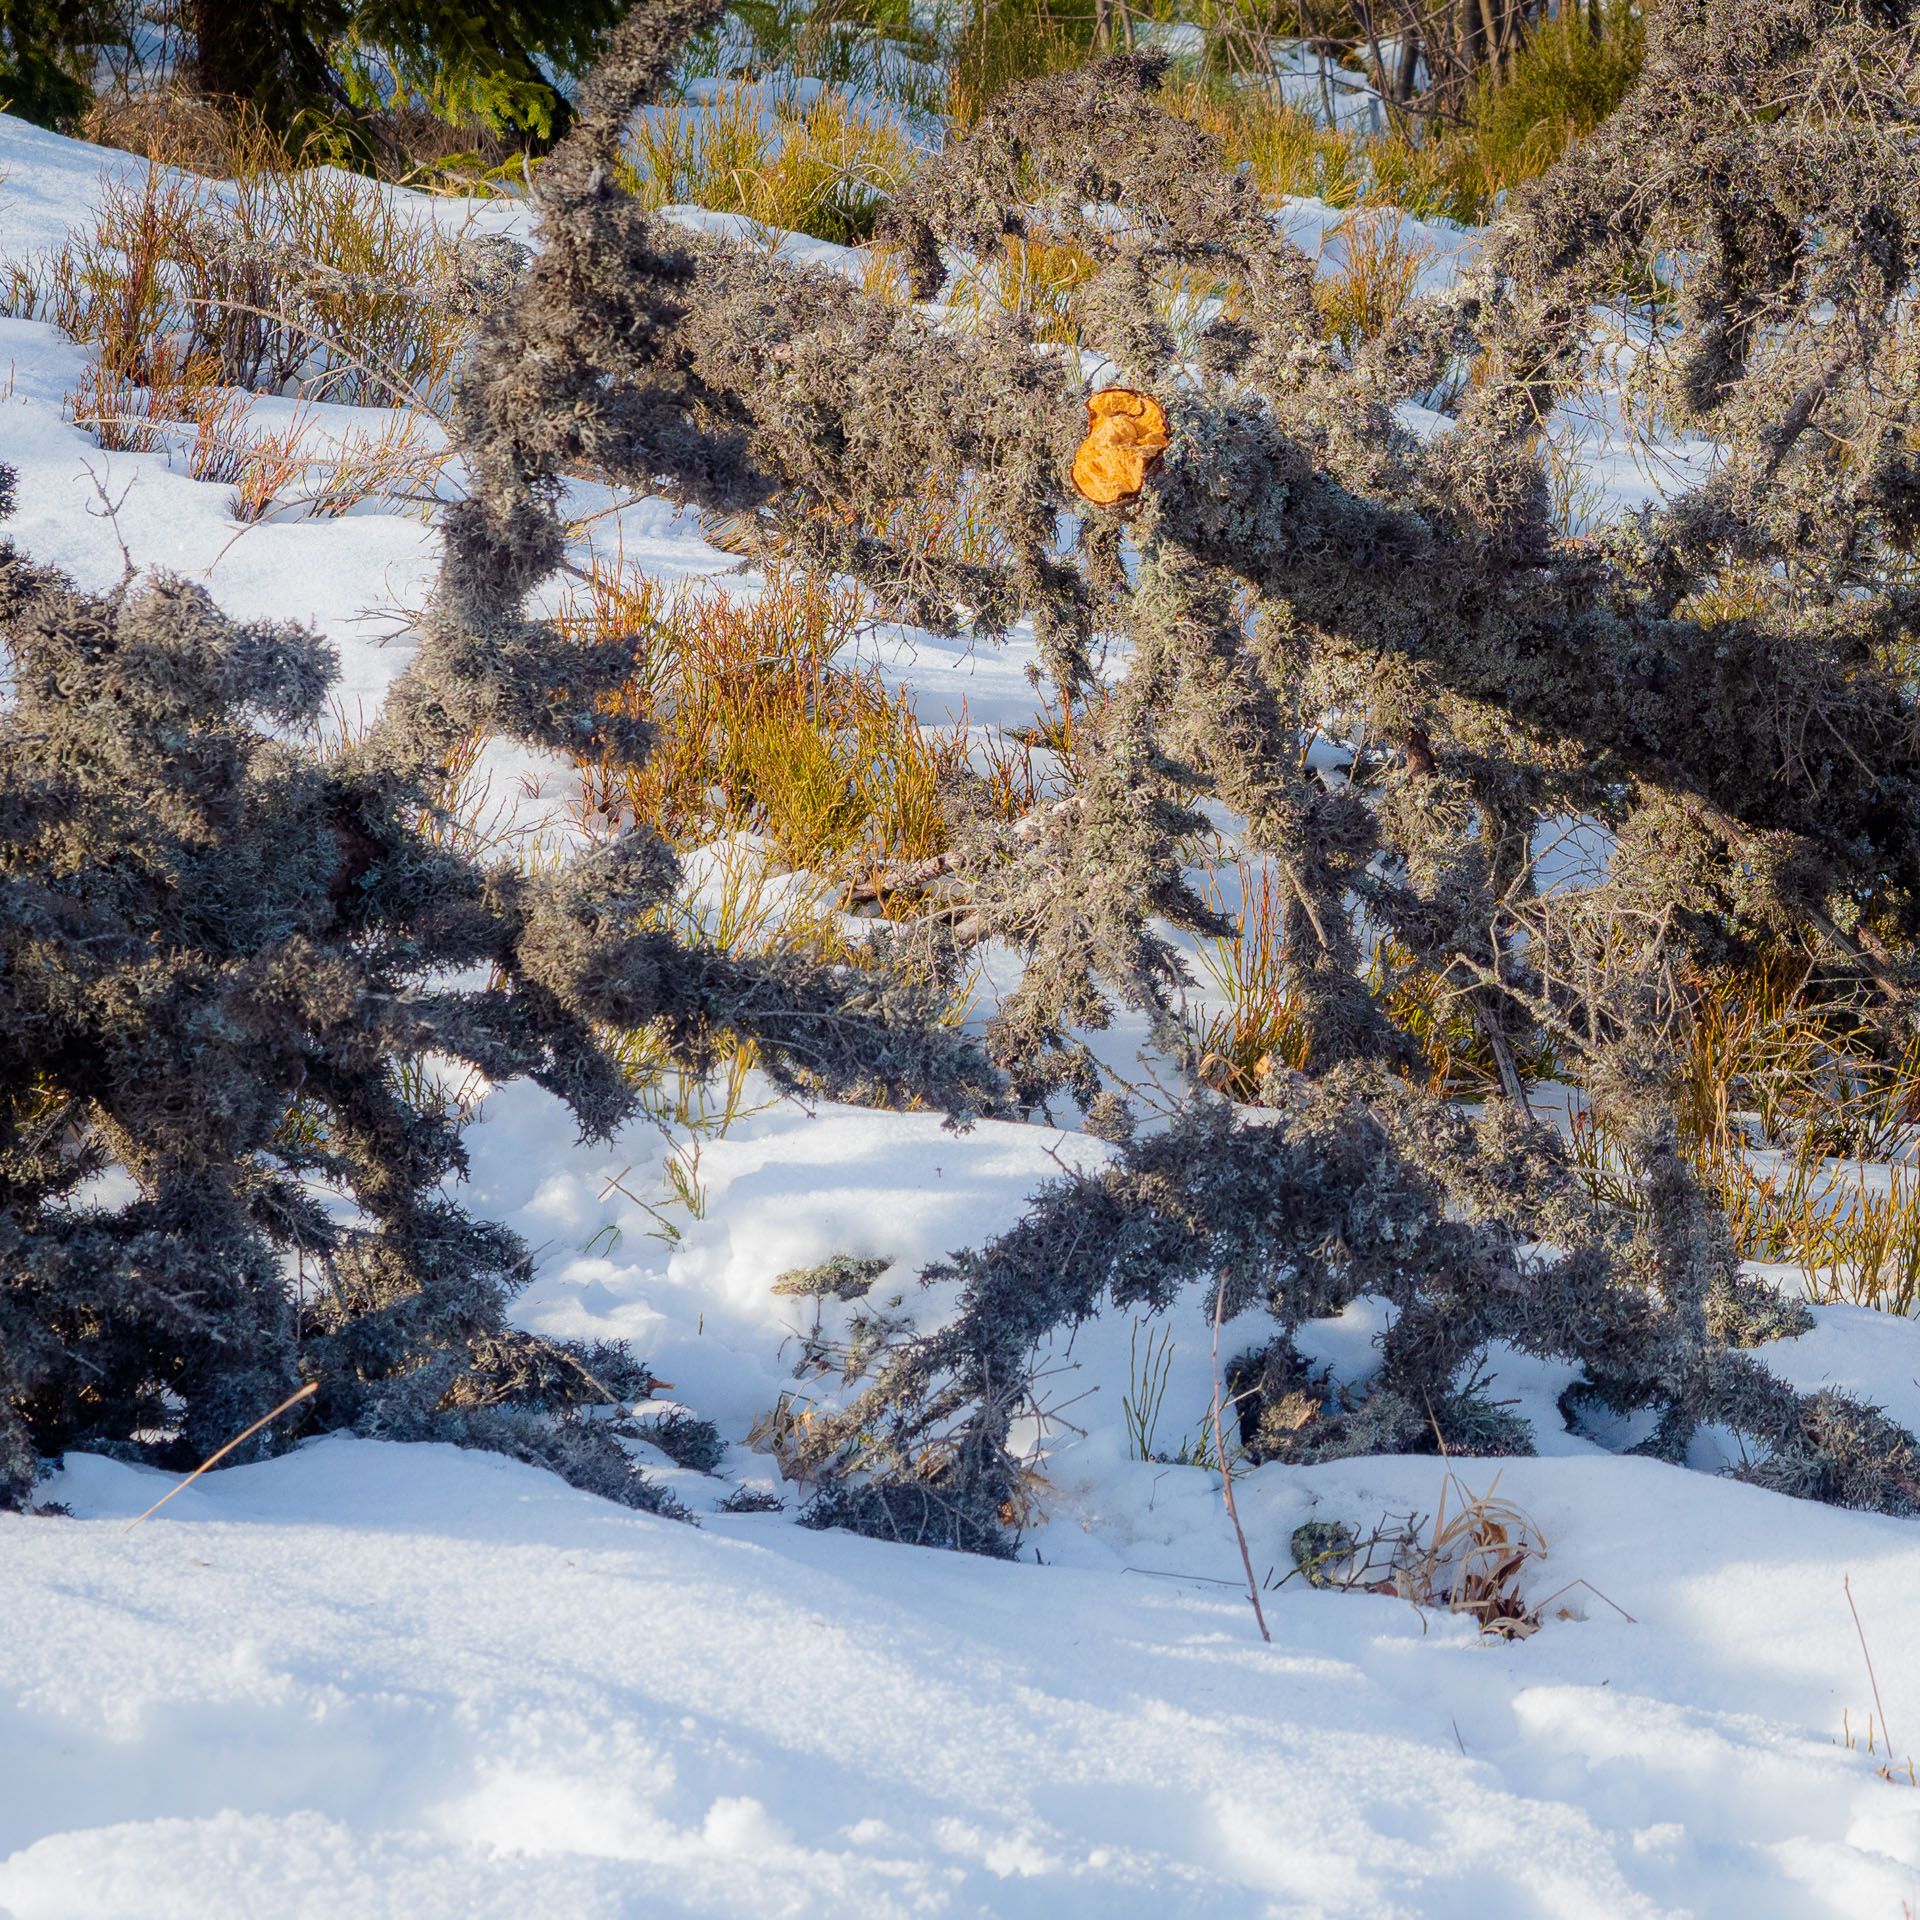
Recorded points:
(378, 1680)
(370, 1680)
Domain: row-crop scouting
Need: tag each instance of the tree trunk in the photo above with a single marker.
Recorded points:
(225, 61)
(1409, 65)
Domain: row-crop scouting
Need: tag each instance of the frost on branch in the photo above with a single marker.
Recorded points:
(1722, 683)
(232, 963)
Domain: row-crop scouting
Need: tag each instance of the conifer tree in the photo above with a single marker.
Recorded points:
(47, 52)
(301, 63)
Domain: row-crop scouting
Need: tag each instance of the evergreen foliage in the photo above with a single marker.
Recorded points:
(302, 63)
(226, 964)
(47, 51)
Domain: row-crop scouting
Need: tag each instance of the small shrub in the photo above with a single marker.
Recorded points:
(686, 1440)
(841, 1278)
(1375, 280)
(751, 1500)
(1565, 80)
(294, 279)
(208, 935)
(290, 279)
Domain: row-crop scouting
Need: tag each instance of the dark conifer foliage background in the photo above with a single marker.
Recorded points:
(301, 62)
(47, 51)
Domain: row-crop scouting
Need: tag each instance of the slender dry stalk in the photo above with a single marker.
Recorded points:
(1846, 1586)
(1226, 1469)
(220, 1453)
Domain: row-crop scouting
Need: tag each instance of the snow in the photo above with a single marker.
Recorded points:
(1323, 90)
(47, 182)
(371, 1680)
(798, 249)
(376, 1680)
(782, 1189)
(1440, 249)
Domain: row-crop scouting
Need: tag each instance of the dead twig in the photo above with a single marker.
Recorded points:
(213, 1459)
(1846, 1587)
(1226, 1472)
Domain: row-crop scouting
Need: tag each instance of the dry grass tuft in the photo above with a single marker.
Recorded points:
(1437, 1017)
(1472, 1560)
(185, 410)
(792, 782)
(1009, 42)
(1028, 279)
(173, 127)
(1765, 1050)
(785, 1431)
(1786, 1101)
(1864, 1251)
(1262, 1026)
(1376, 280)
(824, 169)
(302, 280)
(764, 729)
(1523, 117)
(1286, 151)
(1292, 156)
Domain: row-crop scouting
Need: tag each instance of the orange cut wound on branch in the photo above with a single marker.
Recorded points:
(1126, 441)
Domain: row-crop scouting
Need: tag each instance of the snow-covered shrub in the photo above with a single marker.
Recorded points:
(229, 961)
(1296, 554)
